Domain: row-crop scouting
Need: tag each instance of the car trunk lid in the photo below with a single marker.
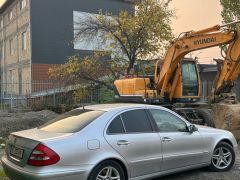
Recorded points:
(21, 144)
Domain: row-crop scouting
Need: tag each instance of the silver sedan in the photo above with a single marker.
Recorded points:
(116, 142)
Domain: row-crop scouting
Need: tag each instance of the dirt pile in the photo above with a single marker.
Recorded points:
(11, 122)
(227, 117)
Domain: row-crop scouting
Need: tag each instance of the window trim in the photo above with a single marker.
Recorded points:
(124, 128)
(176, 115)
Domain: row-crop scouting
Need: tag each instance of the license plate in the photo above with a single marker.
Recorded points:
(17, 152)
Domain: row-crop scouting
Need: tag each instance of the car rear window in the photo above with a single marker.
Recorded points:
(72, 121)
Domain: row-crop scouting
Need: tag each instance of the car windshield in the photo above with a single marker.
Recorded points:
(72, 121)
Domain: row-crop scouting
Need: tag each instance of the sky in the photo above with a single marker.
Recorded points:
(196, 15)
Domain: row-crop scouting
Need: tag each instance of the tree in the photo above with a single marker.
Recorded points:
(128, 37)
(231, 10)
(88, 73)
(135, 35)
(96, 69)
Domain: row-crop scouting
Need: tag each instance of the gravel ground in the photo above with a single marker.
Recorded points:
(11, 122)
(199, 174)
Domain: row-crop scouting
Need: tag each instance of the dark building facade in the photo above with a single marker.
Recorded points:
(37, 34)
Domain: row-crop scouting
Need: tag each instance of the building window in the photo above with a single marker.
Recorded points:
(11, 75)
(1, 23)
(10, 15)
(11, 47)
(24, 40)
(20, 81)
(1, 52)
(23, 4)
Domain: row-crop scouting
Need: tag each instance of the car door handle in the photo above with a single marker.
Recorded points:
(123, 143)
(166, 139)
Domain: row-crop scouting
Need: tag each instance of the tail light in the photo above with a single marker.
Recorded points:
(43, 156)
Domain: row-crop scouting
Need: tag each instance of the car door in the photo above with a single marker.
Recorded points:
(131, 135)
(180, 148)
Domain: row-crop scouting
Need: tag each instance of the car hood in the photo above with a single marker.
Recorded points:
(40, 135)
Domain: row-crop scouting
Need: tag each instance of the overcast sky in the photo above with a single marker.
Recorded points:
(196, 15)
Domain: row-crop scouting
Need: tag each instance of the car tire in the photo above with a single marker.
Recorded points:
(107, 170)
(223, 157)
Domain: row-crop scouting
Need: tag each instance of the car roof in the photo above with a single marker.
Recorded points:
(122, 106)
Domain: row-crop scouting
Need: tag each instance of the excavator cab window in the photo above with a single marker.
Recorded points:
(158, 70)
(189, 79)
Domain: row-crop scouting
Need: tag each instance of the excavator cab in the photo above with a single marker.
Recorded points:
(190, 83)
(184, 85)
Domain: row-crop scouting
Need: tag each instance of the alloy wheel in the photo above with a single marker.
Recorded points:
(108, 173)
(222, 158)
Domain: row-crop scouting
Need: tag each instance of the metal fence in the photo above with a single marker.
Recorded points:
(44, 94)
(39, 95)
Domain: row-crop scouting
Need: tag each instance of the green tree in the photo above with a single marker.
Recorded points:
(96, 69)
(87, 73)
(128, 37)
(133, 36)
(231, 10)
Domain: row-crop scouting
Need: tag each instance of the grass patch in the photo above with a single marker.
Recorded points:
(2, 174)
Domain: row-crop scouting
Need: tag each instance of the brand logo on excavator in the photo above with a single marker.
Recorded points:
(205, 41)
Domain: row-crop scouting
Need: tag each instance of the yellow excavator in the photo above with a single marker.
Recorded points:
(176, 79)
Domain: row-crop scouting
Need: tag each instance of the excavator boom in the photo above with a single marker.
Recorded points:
(168, 83)
(228, 72)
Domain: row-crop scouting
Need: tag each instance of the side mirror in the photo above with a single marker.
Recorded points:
(192, 128)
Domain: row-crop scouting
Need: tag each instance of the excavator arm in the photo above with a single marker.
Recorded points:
(192, 41)
(228, 72)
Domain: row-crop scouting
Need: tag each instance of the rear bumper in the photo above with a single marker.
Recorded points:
(15, 172)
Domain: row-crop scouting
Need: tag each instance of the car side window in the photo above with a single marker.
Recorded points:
(168, 122)
(116, 126)
(136, 121)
